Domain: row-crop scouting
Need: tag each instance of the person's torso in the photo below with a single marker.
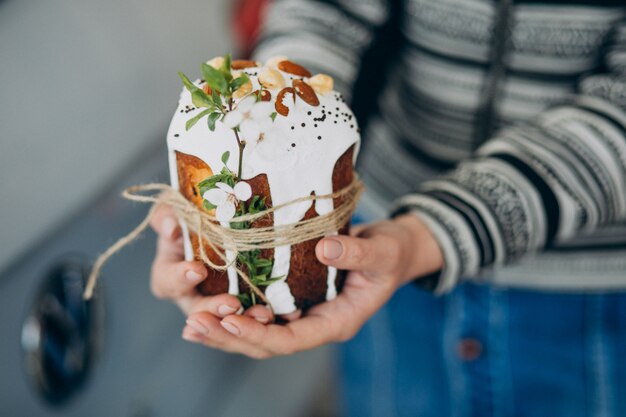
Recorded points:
(469, 67)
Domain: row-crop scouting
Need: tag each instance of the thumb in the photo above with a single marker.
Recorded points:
(357, 254)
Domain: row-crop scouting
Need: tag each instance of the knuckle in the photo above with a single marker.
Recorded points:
(283, 350)
(347, 334)
(157, 292)
(157, 216)
(356, 254)
(394, 252)
(347, 331)
(156, 289)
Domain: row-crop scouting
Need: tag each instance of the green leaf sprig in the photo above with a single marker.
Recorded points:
(222, 86)
(259, 270)
(225, 176)
(217, 102)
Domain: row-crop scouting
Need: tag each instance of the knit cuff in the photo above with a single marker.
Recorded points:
(452, 234)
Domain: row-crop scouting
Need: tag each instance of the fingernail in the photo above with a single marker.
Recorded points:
(191, 337)
(225, 310)
(169, 225)
(197, 326)
(332, 249)
(230, 328)
(193, 276)
(188, 337)
(261, 319)
(293, 316)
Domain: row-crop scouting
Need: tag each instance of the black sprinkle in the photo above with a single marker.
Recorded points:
(335, 122)
(293, 145)
(319, 138)
(292, 127)
(337, 108)
(315, 125)
(303, 124)
(176, 135)
(351, 126)
(309, 113)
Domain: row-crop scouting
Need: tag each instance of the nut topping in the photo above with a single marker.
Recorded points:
(305, 92)
(293, 68)
(216, 62)
(243, 63)
(321, 83)
(280, 107)
(273, 61)
(263, 95)
(271, 79)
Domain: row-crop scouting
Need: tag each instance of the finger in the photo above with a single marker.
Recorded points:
(356, 229)
(377, 253)
(292, 316)
(214, 335)
(306, 333)
(170, 250)
(220, 305)
(174, 279)
(164, 222)
(260, 313)
(190, 335)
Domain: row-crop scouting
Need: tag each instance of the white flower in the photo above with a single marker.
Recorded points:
(252, 117)
(225, 198)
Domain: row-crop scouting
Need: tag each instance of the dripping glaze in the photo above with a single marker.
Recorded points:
(298, 155)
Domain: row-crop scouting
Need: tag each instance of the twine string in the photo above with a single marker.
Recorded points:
(221, 239)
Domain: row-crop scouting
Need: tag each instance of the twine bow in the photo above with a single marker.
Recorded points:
(221, 238)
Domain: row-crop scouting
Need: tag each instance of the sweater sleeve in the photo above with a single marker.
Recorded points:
(543, 182)
(327, 36)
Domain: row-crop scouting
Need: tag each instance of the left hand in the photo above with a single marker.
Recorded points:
(381, 257)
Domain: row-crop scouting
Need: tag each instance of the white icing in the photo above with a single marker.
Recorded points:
(233, 280)
(292, 171)
(331, 290)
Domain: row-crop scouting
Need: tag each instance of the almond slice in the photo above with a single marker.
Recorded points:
(293, 68)
(273, 61)
(243, 63)
(305, 92)
(263, 95)
(280, 107)
(321, 83)
(216, 62)
(272, 79)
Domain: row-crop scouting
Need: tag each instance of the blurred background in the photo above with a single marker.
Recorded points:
(87, 89)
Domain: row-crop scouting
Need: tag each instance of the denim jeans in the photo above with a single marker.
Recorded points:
(489, 351)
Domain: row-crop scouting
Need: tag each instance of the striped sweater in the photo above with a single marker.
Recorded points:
(501, 124)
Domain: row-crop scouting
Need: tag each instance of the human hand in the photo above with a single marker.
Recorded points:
(175, 279)
(381, 257)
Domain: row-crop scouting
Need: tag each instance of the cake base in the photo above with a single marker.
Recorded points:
(307, 277)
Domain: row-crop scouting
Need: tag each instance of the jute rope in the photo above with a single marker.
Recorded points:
(221, 238)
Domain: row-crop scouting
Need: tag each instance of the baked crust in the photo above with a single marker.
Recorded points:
(307, 277)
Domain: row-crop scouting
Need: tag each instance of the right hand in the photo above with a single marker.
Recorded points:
(175, 279)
